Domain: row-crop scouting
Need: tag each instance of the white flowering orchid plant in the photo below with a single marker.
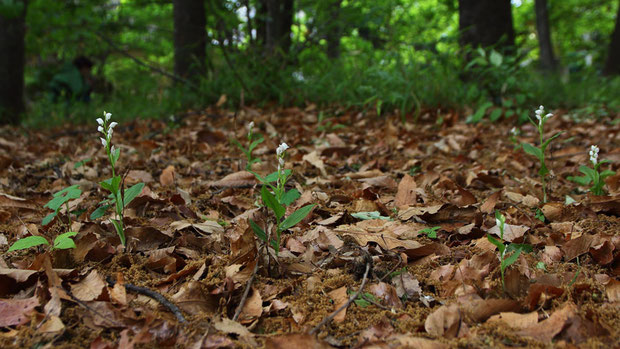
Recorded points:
(593, 175)
(253, 141)
(119, 198)
(539, 152)
(508, 254)
(277, 198)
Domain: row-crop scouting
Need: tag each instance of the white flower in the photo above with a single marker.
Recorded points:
(112, 124)
(498, 222)
(100, 128)
(110, 131)
(250, 125)
(594, 154)
(539, 114)
(112, 149)
(107, 116)
(103, 141)
(514, 131)
(100, 121)
(281, 149)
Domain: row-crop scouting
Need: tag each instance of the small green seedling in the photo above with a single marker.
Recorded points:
(59, 199)
(508, 254)
(276, 198)
(539, 152)
(430, 232)
(541, 266)
(119, 198)
(253, 141)
(593, 175)
(62, 242)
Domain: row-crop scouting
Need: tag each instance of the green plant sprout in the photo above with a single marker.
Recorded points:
(276, 198)
(514, 133)
(119, 198)
(253, 141)
(61, 198)
(506, 258)
(593, 175)
(430, 232)
(539, 152)
(62, 242)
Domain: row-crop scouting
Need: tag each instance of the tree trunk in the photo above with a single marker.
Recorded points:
(612, 66)
(12, 61)
(278, 27)
(547, 58)
(190, 38)
(486, 23)
(334, 30)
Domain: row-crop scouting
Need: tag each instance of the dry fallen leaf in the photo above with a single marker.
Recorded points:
(340, 298)
(167, 176)
(445, 321)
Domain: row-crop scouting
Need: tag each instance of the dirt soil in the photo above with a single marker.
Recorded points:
(381, 188)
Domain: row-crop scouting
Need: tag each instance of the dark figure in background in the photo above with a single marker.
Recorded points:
(74, 81)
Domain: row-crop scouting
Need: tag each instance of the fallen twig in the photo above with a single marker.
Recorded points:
(152, 294)
(246, 292)
(346, 305)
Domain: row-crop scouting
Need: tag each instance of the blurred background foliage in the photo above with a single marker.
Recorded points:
(379, 55)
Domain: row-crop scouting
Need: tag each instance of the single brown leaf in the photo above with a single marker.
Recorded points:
(89, 288)
(340, 298)
(516, 320)
(406, 194)
(445, 321)
(545, 330)
(167, 176)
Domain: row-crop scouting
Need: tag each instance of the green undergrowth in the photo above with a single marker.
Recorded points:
(381, 84)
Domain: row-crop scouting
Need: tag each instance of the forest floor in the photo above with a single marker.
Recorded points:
(379, 186)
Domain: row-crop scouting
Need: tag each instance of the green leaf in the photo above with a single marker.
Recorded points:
(111, 184)
(64, 241)
(523, 247)
(546, 143)
(295, 217)
(495, 58)
(496, 114)
(258, 231)
(497, 243)
(479, 114)
(532, 150)
(132, 192)
(118, 226)
(56, 203)
(47, 219)
(99, 212)
(254, 144)
(273, 176)
(510, 260)
(80, 163)
(290, 196)
(28, 242)
(270, 201)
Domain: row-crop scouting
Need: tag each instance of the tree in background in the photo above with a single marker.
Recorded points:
(486, 23)
(190, 38)
(12, 60)
(547, 58)
(275, 18)
(612, 66)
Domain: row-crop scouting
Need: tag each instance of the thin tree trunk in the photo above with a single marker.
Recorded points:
(612, 66)
(190, 38)
(486, 23)
(12, 61)
(278, 26)
(334, 30)
(547, 58)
